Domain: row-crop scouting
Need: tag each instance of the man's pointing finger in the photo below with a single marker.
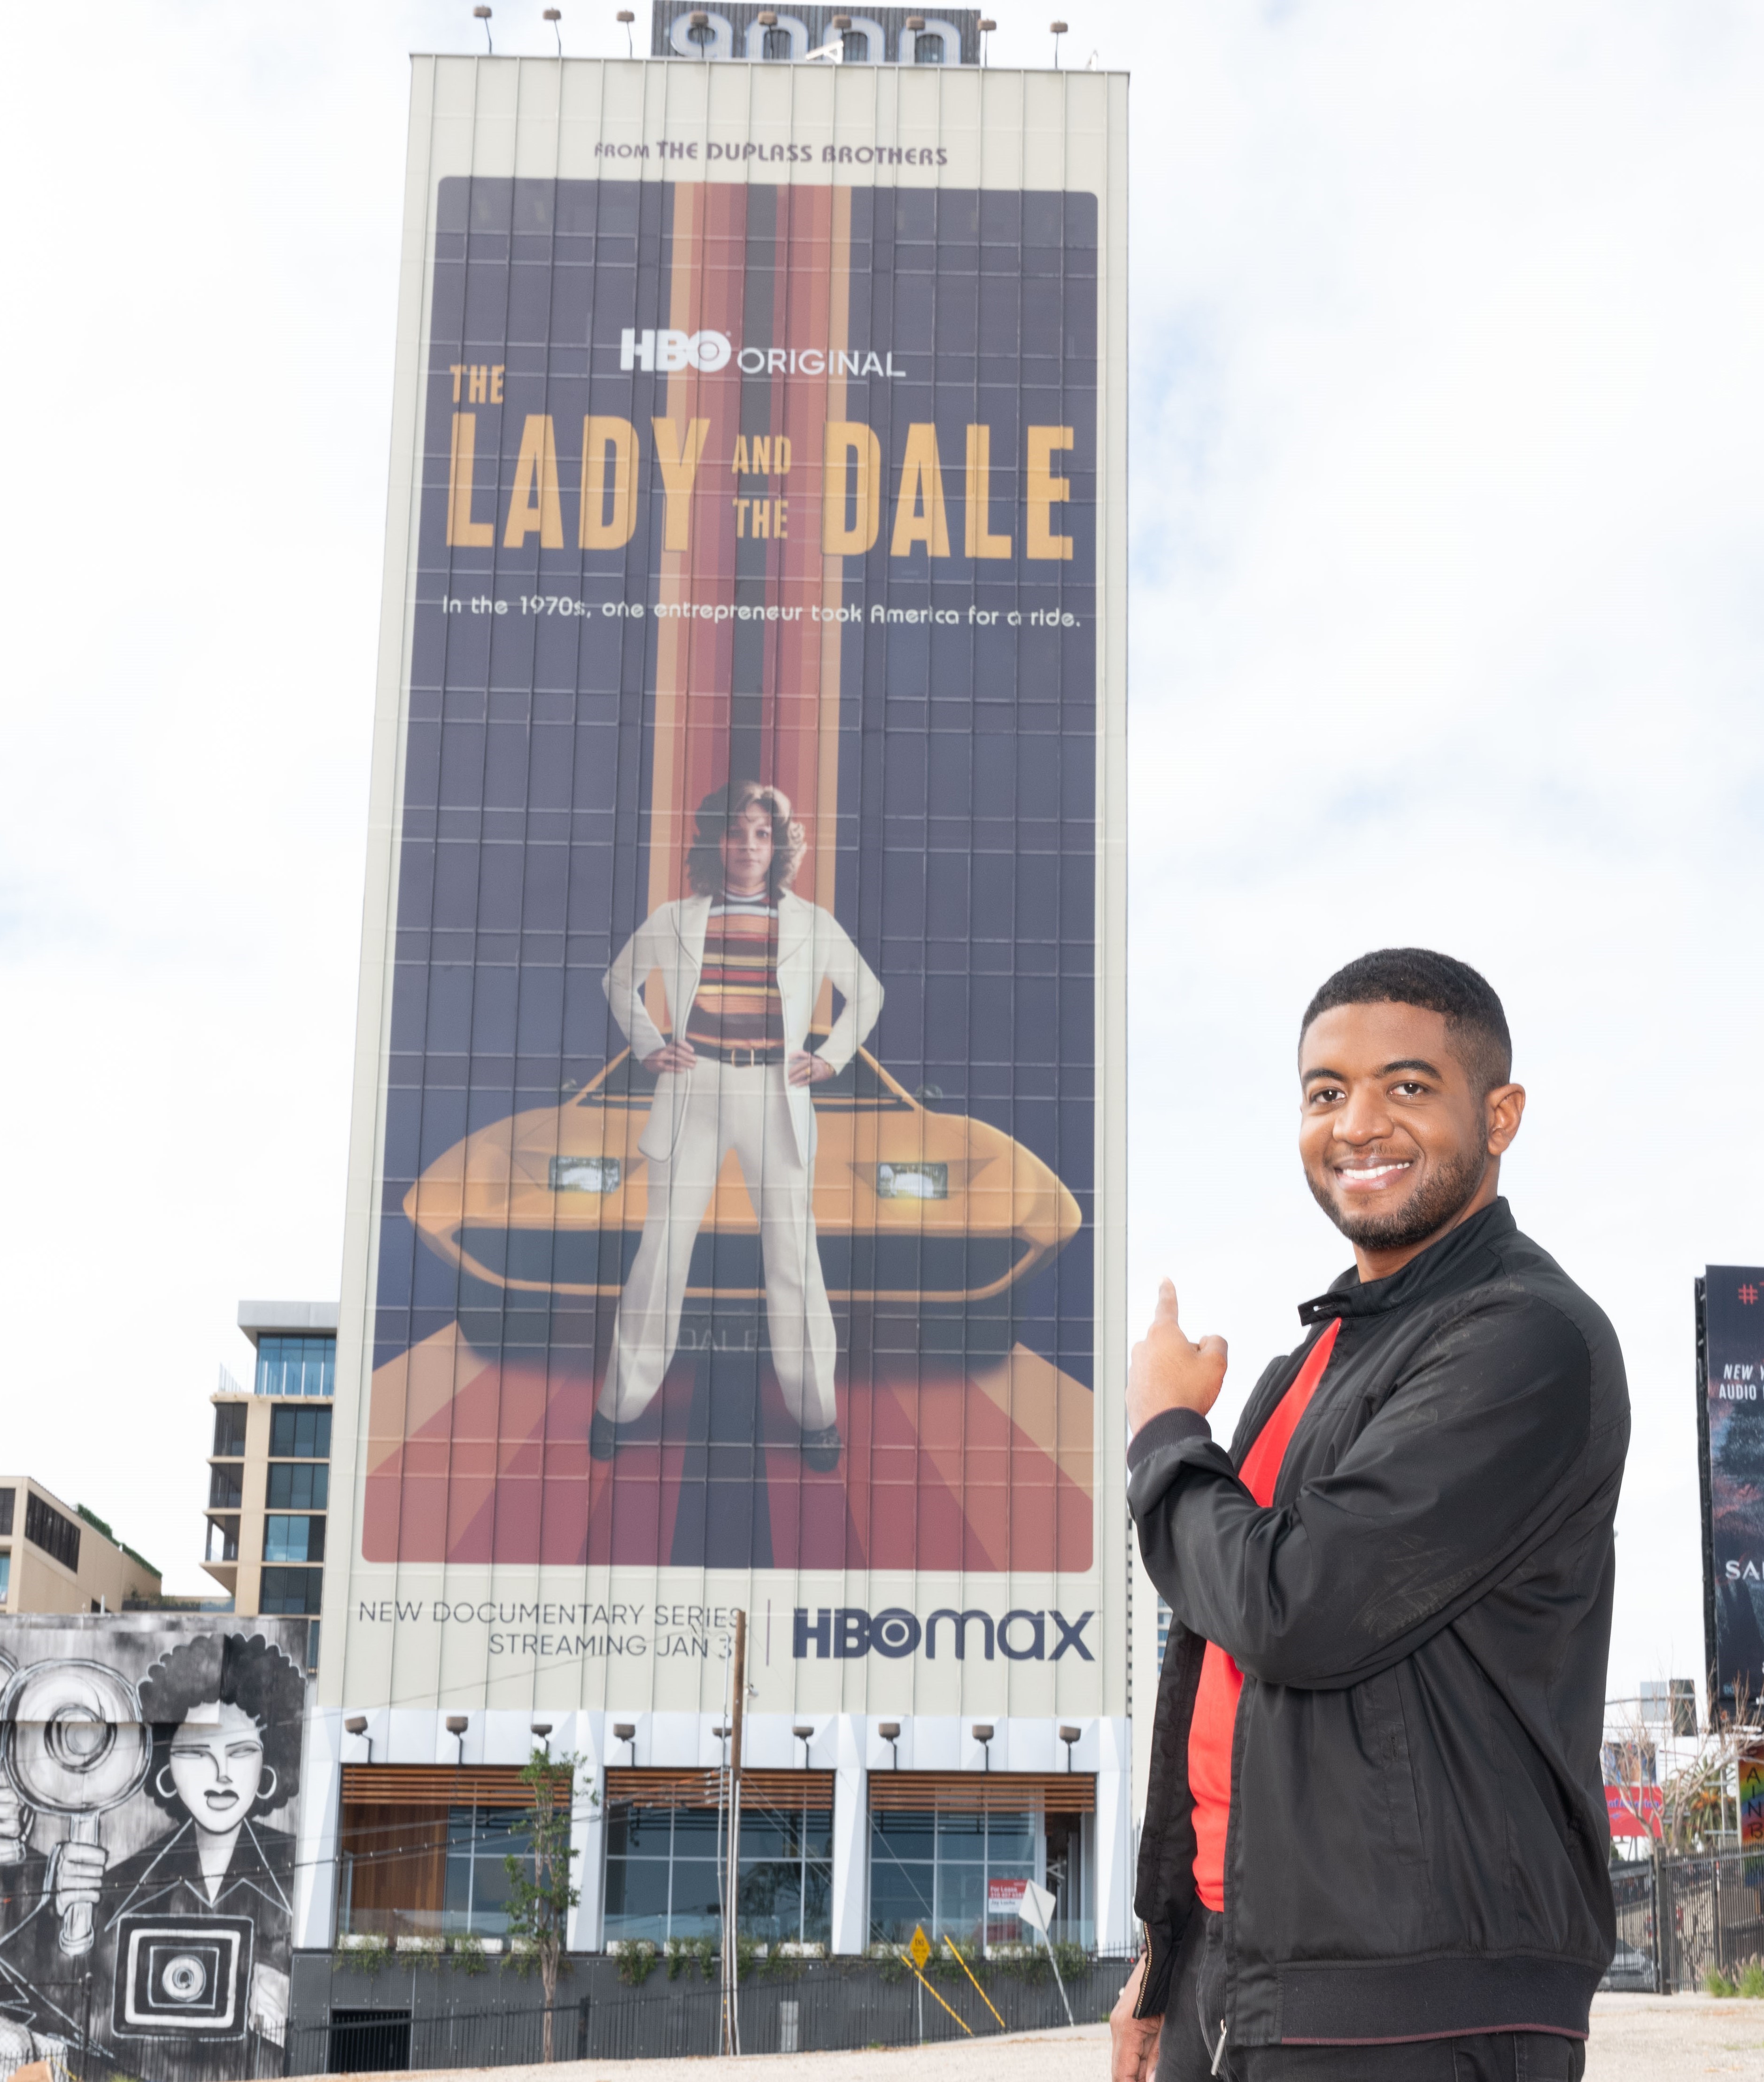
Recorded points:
(1165, 1311)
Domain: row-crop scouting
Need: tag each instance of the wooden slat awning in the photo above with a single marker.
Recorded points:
(439, 1785)
(788, 1792)
(982, 1791)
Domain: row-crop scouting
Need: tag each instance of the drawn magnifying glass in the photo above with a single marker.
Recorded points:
(73, 1743)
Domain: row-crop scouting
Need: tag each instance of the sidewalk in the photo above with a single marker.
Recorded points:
(1635, 2039)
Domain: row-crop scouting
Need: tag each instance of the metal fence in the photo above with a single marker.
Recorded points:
(835, 2011)
(1681, 1918)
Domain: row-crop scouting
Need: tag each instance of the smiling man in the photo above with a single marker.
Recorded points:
(1375, 1844)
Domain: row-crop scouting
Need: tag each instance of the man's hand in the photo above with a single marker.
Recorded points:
(79, 1877)
(1167, 1373)
(1133, 2042)
(807, 1070)
(671, 1055)
(14, 1827)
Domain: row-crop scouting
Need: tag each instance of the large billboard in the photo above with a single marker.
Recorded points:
(149, 1782)
(1730, 1438)
(738, 1176)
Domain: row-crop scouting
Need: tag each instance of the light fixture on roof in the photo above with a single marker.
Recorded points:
(457, 1726)
(555, 15)
(987, 27)
(1069, 1735)
(482, 13)
(627, 18)
(983, 1732)
(1059, 29)
(357, 1724)
(890, 1733)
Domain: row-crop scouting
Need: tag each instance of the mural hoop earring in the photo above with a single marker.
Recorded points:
(275, 1777)
(165, 1792)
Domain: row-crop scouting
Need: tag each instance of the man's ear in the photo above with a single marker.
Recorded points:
(1505, 1109)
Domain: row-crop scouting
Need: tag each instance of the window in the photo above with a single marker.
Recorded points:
(299, 1485)
(300, 1435)
(229, 1430)
(226, 1488)
(295, 1366)
(955, 1852)
(951, 1873)
(421, 1858)
(663, 1872)
(476, 1892)
(312, 1645)
(5, 1510)
(290, 1589)
(293, 1540)
(223, 1539)
(44, 1527)
(5, 1573)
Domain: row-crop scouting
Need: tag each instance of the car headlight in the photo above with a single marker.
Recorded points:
(912, 1182)
(585, 1174)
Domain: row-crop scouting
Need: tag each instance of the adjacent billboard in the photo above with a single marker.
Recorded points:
(150, 1781)
(1730, 1440)
(738, 1173)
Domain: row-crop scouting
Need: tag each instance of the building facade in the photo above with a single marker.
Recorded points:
(269, 1474)
(57, 1559)
(738, 1172)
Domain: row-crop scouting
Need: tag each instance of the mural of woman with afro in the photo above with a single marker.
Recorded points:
(226, 1714)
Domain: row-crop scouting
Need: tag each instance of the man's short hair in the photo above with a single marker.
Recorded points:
(1475, 1018)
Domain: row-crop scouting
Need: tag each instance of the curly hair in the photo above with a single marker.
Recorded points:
(718, 811)
(228, 1669)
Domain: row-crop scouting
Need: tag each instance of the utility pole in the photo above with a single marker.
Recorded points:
(731, 1890)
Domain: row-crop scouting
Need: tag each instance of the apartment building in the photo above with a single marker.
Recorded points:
(269, 1472)
(57, 1559)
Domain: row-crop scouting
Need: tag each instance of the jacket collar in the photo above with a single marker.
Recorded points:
(1462, 1257)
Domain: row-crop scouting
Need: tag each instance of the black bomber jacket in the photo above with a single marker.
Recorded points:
(1417, 1844)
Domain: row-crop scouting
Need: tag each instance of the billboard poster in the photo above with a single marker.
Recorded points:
(149, 1782)
(735, 1168)
(1730, 1427)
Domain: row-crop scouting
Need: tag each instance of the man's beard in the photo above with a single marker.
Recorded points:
(1447, 1192)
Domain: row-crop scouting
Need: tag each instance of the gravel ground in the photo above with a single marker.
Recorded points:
(1635, 2039)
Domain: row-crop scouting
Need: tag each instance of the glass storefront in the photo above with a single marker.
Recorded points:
(663, 1861)
(954, 1858)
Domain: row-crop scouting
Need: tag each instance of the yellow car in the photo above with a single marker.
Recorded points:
(910, 1205)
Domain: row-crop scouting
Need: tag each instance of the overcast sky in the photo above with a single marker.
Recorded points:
(1446, 627)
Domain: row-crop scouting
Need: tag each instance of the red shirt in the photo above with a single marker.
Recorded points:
(1216, 1700)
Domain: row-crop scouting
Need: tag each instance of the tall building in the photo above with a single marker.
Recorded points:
(269, 1476)
(57, 1559)
(737, 1161)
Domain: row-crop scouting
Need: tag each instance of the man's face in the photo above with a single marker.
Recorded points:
(747, 852)
(217, 1766)
(1396, 1139)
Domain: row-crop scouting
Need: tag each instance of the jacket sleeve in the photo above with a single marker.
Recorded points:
(1445, 1487)
(852, 977)
(624, 985)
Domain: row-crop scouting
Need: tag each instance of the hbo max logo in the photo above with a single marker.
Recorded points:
(1021, 1637)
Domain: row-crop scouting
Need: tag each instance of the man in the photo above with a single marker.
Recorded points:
(742, 961)
(1375, 1845)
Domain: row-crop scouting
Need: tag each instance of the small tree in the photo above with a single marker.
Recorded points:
(539, 1905)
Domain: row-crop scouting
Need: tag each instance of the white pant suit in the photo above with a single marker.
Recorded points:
(698, 1116)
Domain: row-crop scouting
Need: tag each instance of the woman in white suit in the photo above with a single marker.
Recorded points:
(742, 960)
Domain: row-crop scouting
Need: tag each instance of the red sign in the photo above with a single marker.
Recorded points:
(1004, 1897)
(1634, 1810)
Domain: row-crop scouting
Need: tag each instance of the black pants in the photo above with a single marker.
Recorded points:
(1192, 2024)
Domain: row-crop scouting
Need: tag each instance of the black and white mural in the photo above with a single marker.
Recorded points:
(149, 1779)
